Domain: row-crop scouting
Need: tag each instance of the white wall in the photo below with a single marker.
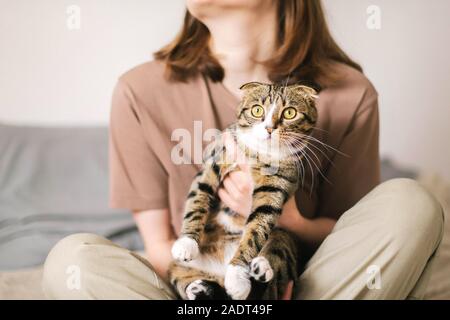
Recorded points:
(408, 61)
(51, 75)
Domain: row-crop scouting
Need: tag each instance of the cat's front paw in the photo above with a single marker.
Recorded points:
(260, 270)
(237, 282)
(185, 249)
(197, 289)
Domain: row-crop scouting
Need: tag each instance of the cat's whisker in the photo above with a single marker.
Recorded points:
(304, 156)
(321, 130)
(320, 150)
(310, 138)
(295, 162)
(312, 172)
(311, 160)
(304, 146)
(294, 154)
(302, 171)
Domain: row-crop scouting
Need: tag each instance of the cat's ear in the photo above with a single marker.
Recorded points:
(310, 91)
(251, 85)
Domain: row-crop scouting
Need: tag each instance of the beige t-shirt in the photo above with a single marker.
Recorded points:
(147, 109)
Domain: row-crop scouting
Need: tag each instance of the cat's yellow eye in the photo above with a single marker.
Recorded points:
(257, 111)
(289, 113)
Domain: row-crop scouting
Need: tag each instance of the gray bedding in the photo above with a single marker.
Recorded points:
(54, 182)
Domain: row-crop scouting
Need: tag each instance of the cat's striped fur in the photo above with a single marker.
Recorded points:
(221, 254)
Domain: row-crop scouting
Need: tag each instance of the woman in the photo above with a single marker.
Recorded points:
(366, 241)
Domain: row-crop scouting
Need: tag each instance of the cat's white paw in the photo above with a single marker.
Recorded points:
(195, 288)
(185, 249)
(260, 270)
(237, 282)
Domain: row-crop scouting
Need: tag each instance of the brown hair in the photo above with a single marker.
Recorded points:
(306, 49)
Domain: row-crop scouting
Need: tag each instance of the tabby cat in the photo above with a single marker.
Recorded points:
(220, 254)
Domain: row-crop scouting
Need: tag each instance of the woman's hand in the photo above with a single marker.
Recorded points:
(290, 216)
(237, 191)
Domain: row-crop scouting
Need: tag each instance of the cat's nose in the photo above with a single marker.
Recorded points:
(269, 130)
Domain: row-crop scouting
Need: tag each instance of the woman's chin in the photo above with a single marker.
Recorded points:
(204, 9)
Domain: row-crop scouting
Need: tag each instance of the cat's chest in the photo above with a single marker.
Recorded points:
(231, 222)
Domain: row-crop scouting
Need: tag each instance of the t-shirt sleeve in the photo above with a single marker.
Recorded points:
(138, 180)
(356, 173)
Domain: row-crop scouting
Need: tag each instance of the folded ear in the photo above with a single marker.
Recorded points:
(310, 91)
(251, 85)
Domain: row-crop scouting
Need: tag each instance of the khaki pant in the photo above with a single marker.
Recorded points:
(382, 248)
